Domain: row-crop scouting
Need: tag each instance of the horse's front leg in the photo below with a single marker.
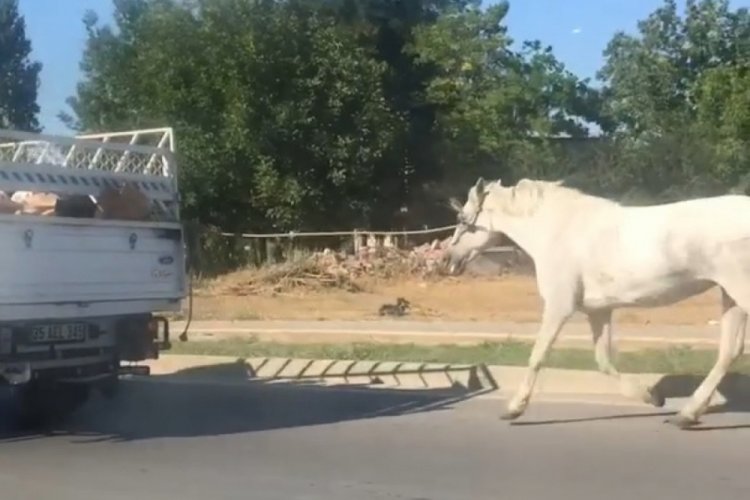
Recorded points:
(556, 313)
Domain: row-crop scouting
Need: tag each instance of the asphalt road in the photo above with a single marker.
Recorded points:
(184, 441)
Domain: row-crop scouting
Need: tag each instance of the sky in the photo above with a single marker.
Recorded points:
(578, 30)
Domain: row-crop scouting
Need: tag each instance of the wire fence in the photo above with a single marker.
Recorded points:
(351, 233)
(213, 251)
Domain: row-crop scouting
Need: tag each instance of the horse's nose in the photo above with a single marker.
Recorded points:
(454, 264)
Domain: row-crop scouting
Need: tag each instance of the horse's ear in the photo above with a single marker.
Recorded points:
(480, 185)
(456, 205)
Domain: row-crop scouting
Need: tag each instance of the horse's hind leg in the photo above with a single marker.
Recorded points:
(735, 304)
(601, 331)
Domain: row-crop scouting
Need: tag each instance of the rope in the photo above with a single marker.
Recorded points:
(293, 234)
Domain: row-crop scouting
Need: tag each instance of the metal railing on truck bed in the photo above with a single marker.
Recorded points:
(91, 163)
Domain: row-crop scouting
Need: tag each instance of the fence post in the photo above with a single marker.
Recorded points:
(357, 242)
(290, 246)
(271, 248)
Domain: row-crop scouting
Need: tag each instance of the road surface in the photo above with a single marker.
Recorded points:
(166, 440)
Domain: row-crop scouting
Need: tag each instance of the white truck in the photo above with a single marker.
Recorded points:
(83, 297)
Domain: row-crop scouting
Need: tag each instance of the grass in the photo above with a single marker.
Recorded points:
(676, 360)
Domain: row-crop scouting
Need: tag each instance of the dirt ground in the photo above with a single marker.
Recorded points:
(509, 298)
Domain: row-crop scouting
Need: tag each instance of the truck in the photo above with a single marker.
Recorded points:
(84, 299)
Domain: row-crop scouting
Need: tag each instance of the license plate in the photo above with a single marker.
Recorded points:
(64, 332)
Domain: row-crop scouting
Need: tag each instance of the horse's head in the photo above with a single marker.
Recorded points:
(474, 230)
(492, 210)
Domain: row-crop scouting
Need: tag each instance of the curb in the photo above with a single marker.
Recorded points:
(333, 334)
(475, 380)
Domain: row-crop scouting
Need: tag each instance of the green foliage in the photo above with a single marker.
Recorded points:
(496, 103)
(304, 114)
(678, 92)
(19, 76)
(280, 113)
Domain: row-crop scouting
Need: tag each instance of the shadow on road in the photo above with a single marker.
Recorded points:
(219, 400)
(735, 388)
(577, 420)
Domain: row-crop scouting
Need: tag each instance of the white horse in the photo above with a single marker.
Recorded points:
(594, 255)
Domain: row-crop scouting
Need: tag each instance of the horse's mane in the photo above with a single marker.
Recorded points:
(528, 195)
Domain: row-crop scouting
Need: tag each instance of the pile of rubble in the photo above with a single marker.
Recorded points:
(385, 262)
(303, 275)
(337, 270)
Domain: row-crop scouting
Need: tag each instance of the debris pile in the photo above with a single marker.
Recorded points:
(337, 270)
(386, 262)
(302, 275)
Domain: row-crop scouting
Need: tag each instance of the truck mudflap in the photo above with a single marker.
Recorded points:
(144, 346)
(141, 337)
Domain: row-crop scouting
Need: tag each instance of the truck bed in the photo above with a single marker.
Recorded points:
(61, 266)
(82, 263)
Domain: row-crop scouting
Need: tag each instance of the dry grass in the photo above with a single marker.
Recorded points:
(305, 275)
(509, 298)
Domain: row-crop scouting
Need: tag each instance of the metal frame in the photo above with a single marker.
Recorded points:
(85, 164)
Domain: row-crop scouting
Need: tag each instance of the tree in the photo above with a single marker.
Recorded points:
(723, 109)
(678, 94)
(19, 76)
(281, 116)
(652, 78)
(388, 28)
(496, 106)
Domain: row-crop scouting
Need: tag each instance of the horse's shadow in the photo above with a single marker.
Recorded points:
(734, 389)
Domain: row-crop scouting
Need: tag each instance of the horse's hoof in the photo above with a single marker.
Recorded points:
(511, 415)
(656, 398)
(681, 421)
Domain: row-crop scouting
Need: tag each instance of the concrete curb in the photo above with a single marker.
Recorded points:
(396, 332)
(476, 380)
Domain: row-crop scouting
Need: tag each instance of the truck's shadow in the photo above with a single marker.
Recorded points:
(215, 400)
